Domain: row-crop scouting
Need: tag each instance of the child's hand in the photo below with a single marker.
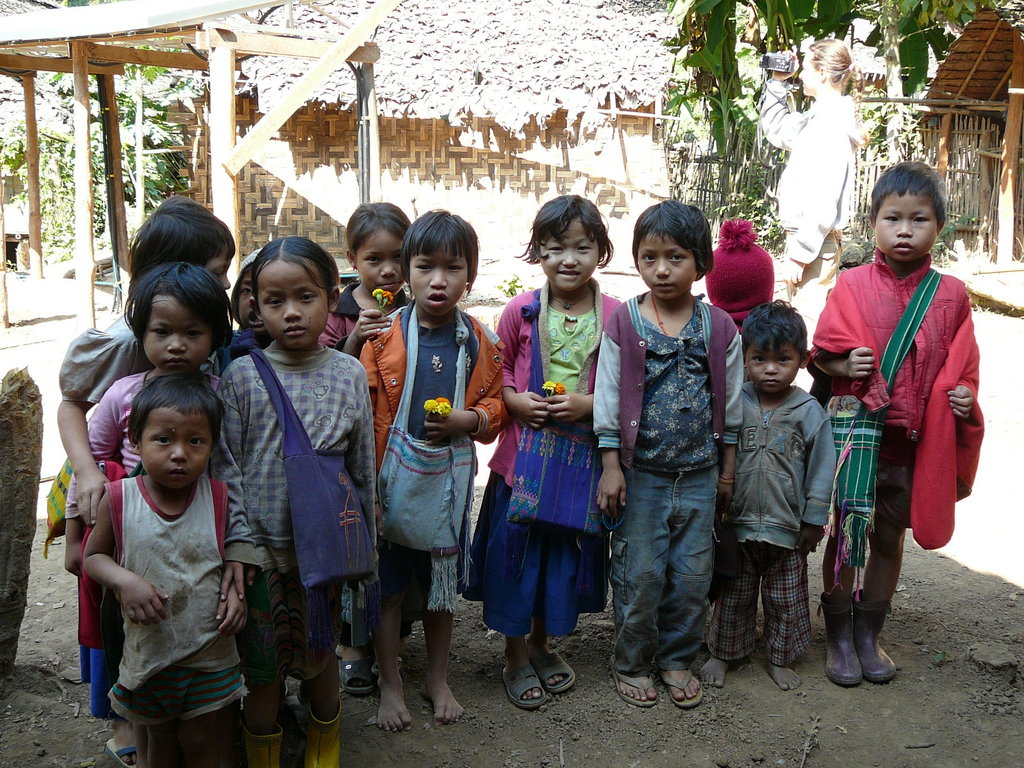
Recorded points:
(141, 602)
(236, 577)
(234, 614)
(457, 422)
(961, 400)
(369, 323)
(571, 406)
(91, 485)
(527, 407)
(611, 488)
(860, 363)
(723, 499)
(810, 536)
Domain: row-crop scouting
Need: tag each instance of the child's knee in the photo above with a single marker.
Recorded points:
(886, 539)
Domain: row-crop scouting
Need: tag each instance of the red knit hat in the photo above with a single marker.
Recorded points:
(743, 275)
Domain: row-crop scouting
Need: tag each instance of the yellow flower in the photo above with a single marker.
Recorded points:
(430, 406)
(384, 298)
(553, 388)
(439, 406)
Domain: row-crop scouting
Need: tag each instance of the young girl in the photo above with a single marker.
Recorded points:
(667, 411)
(177, 313)
(158, 544)
(530, 587)
(816, 189)
(374, 234)
(295, 287)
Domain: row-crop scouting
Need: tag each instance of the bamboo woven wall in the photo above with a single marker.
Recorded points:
(306, 181)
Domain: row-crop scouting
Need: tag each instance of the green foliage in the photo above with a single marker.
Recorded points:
(512, 287)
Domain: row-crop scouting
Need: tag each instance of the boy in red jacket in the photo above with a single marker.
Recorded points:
(932, 431)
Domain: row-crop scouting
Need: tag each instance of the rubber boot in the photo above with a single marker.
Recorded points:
(323, 744)
(841, 664)
(868, 618)
(263, 751)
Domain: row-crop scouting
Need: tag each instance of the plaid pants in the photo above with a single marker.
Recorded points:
(782, 576)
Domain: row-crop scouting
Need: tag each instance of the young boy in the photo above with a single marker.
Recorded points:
(785, 464)
(433, 353)
(167, 527)
(925, 424)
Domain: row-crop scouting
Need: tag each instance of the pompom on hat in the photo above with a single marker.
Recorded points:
(743, 275)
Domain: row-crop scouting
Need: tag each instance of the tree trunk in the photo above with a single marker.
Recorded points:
(893, 81)
(21, 433)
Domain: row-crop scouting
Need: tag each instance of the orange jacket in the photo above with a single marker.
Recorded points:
(384, 360)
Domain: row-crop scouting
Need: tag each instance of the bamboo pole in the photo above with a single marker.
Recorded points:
(85, 263)
(5, 318)
(115, 174)
(1011, 158)
(35, 215)
(373, 123)
(942, 164)
(223, 182)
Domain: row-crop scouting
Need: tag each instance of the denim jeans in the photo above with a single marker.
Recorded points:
(662, 560)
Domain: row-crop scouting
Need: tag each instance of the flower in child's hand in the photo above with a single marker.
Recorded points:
(438, 406)
(384, 298)
(553, 388)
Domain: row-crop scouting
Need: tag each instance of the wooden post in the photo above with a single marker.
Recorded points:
(944, 132)
(373, 133)
(223, 182)
(1011, 156)
(116, 215)
(35, 215)
(5, 318)
(21, 431)
(85, 263)
(140, 157)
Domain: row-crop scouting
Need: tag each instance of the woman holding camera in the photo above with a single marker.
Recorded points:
(815, 192)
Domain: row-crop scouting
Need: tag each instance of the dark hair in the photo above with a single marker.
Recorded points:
(372, 217)
(190, 284)
(772, 326)
(179, 230)
(910, 178)
(556, 216)
(237, 314)
(305, 253)
(442, 231)
(685, 224)
(181, 392)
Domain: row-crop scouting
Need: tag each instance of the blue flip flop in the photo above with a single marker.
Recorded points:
(118, 755)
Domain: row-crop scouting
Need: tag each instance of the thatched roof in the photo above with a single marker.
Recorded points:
(979, 61)
(511, 60)
(12, 7)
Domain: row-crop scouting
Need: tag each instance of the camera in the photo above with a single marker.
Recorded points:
(782, 61)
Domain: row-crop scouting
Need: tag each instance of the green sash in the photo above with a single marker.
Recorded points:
(858, 434)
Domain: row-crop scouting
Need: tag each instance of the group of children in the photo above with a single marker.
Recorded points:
(650, 419)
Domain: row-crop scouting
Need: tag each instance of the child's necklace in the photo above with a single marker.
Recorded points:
(657, 316)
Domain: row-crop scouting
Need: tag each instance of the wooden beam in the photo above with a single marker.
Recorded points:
(223, 183)
(1011, 158)
(5, 317)
(169, 59)
(277, 45)
(116, 215)
(942, 166)
(373, 122)
(35, 215)
(981, 55)
(299, 93)
(19, 63)
(999, 86)
(85, 263)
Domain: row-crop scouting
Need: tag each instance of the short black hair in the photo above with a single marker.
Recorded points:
(910, 178)
(368, 218)
(556, 216)
(442, 232)
(685, 224)
(190, 284)
(301, 251)
(181, 392)
(773, 325)
(179, 230)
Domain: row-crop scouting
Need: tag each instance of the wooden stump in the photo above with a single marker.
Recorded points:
(21, 434)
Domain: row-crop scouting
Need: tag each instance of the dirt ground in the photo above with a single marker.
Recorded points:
(956, 631)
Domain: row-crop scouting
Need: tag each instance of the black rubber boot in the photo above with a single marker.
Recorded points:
(868, 618)
(841, 663)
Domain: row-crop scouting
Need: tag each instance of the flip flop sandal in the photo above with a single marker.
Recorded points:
(636, 682)
(517, 682)
(357, 677)
(118, 755)
(684, 703)
(549, 664)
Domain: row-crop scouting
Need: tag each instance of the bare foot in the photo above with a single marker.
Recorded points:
(446, 709)
(393, 715)
(683, 687)
(636, 690)
(784, 677)
(713, 672)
